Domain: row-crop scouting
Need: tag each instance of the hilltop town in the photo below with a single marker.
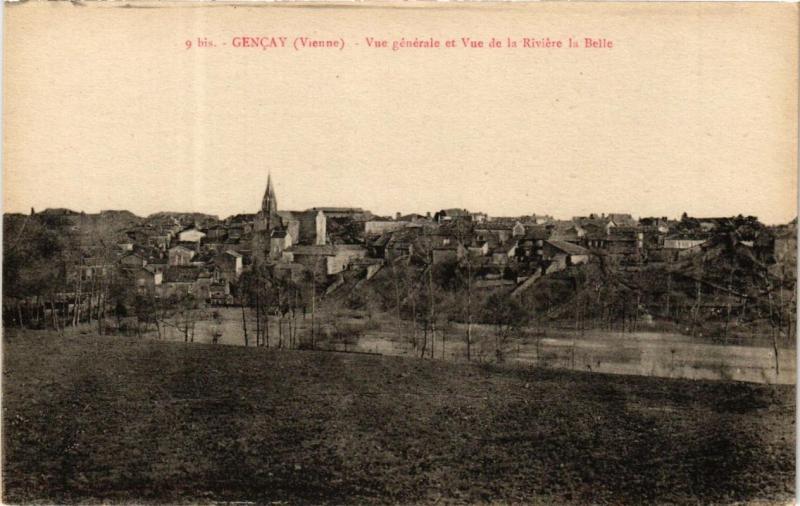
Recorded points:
(451, 264)
(525, 323)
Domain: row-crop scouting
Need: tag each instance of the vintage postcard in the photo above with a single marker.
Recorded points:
(406, 253)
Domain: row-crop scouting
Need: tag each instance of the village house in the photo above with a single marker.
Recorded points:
(370, 266)
(205, 279)
(180, 280)
(478, 249)
(624, 241)
(563, 254)
(596, 226)
(325, 259)
(191, 234)
(413, 218)
(94, 267)
(654, 232)
(660, 225)
(313, 257)
(711, 224)
(280, 241)
(157, 264)
(291, 221)
(376, 246)
(399, 249)
(159, 241)
(438, 236)
(377, 227)
(180, 255)
(291, 271)
(596, 239)
(503, 253)
(531, 244)
(215, 233)
(165, 225)
(132, 260)
(679, 245)
(682, 241)
(540, 219)
(447, 253)
(495, 233)
(204, 258)
(235, 233)
(311, 227)
(305, 227)
(139, 235)
(622, 220)
(446, 215)
(146, 280)
(785, 246)
(566, 231)
(344, 254)
(518, 230)
(219, 294)
(230, 264)
(353, 213)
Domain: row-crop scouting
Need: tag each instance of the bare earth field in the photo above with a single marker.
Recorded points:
(113, 419)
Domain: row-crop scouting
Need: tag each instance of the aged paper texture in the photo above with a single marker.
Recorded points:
(399, 252)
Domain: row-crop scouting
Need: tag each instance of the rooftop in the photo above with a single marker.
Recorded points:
(568, 248)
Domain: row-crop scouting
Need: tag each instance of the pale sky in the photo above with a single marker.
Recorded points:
(694, 109)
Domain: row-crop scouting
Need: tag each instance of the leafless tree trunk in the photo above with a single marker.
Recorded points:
(696, 312)
(19, 315)
(55, 313)
(444, 343)
(266, 326)
(76, 314)
(101, 313)
(313, 309)
(244, 319)
(258, 315)
(469, 309)
(396, 293)
(414, 317)
(669, 293)
(294, 319)
(728, 313)
(91, 299)
(431, 304)
(280, 331)
(424, 338)
(772, 328)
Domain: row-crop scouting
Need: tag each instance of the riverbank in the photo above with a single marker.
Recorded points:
(642, 353)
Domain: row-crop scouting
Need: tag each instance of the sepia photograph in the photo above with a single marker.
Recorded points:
(399, 253)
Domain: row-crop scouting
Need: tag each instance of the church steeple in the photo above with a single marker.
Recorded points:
(269, 204)
(268, 241)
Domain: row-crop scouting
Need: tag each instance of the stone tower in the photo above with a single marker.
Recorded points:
(269, 207)
(267, 218)
(321, 227)
(267, 223)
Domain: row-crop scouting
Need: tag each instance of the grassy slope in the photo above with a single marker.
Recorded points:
(100, 418)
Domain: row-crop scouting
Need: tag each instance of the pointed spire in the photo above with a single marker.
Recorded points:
(269, 204)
